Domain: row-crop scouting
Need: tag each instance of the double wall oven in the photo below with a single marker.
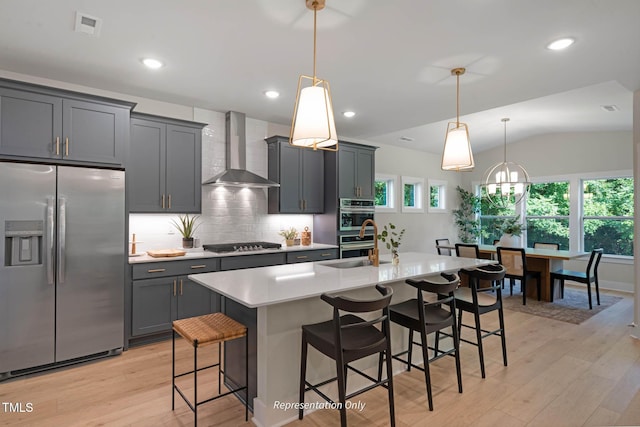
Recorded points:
(353, 213)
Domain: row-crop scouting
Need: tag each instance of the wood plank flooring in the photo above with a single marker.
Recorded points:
(559, 374)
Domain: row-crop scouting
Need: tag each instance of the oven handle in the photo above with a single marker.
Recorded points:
(357, 210)
(350, 246)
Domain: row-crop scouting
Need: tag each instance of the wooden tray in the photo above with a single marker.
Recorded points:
(166, 253)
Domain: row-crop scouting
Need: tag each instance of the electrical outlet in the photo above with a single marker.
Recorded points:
(171, 231)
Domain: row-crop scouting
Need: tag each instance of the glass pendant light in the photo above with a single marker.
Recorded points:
(457, 153)
(313, 125)
(506, 183)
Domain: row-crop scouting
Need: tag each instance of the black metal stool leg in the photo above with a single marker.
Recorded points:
(173, 370)
(246, 376)
(195, 384)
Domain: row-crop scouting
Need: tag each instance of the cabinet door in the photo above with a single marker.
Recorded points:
(146, 168)
(153, 305)
(365, 173)
(93, 132)
(347, 171)
(289, 179)
(193, 298)
(30, 124)
(184, 182)
(312, 177)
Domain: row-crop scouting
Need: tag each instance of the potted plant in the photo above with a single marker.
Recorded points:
(186, 225)
(466, 216)
(511, 230)
(289, 235)
(391, 238)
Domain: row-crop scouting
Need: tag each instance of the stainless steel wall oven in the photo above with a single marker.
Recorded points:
(352, 245)
(354, 212)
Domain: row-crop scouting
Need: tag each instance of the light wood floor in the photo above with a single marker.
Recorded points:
(559, 374)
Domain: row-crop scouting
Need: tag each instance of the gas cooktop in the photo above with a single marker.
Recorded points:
(241, 246)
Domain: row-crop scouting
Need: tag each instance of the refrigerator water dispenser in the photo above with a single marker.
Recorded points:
(23, 242)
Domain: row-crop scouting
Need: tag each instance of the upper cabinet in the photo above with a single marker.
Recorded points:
(164, 167)
(300, 173)
(356, 171)
(63, 127)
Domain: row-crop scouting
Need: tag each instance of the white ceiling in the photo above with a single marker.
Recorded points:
(389, 61)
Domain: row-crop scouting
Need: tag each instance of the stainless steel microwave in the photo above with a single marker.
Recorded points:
(354, 212)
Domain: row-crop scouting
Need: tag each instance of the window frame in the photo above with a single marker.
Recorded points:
(418, 184)
(391, 181)
(442, 196)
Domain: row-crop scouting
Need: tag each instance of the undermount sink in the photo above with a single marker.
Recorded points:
(353, 263)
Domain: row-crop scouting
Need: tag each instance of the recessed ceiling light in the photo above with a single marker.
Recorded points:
(349, 114)
(271, 94)
(154, 64)
(561, 43)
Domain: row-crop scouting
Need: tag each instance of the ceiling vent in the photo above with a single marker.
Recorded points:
(610, 108)
(88, 24)
(406, 139)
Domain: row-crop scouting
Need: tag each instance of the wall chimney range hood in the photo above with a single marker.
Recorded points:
(236, 174)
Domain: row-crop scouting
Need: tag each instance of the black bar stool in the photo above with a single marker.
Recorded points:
(428, 317)
(204, 330)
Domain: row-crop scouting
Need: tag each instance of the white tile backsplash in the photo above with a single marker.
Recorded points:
(229, 214)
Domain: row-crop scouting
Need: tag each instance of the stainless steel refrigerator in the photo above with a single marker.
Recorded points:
(61, 264)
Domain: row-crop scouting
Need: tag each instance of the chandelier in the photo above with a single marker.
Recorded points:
(507, 182)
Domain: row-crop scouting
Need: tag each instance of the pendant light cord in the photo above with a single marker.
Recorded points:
(315, 12)
(457, 99)
(505, 140)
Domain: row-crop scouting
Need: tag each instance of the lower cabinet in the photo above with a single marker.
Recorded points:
(156, 303)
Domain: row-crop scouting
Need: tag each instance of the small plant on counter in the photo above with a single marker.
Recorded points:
(289, 235)
(391, 238)
(186, 225)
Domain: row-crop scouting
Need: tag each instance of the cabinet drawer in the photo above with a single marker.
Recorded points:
(174, 268)
(315, 255)
(249, 261)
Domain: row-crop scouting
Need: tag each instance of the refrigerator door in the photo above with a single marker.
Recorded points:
(90, 269)
(27, 288)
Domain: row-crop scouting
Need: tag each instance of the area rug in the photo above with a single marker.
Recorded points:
(573, 308)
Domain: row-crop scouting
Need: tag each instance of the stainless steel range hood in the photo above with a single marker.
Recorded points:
(236, 174)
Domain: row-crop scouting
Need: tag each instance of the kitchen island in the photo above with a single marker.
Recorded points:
(281, 298)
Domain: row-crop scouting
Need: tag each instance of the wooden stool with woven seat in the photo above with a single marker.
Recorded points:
(200, 331)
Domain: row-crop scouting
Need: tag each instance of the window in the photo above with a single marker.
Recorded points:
(412, 194)
(437, 196)
(490, 216)
(547, 214)
(607, 209)
(385, 193)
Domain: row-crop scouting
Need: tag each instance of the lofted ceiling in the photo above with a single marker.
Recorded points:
(389, 61)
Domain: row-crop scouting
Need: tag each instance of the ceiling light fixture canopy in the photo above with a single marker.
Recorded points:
(313, 125)
(507, 182)
(457, 153)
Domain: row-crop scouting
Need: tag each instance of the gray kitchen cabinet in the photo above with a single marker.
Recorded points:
(300, 173)
(164, 169)
(161, 292)
(312, 255)
(252, 260)
(356, 166)
(64, 127)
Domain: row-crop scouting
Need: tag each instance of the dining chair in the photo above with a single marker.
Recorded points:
(347, 338)
(441, 250)
(590, 275)
(514, 261)
(483, 295)
(544, 245)
(467, 250)
(427, 317)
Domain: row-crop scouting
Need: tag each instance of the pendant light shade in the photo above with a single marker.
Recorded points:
(506, 183)
(313, 125)
(457, 153)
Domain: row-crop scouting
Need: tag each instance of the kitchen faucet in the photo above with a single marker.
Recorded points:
(373, 253)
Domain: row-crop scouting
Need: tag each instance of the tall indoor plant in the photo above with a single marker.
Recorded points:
(469, 229)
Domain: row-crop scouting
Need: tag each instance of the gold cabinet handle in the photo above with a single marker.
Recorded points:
(193, 267)
(169, 206)
(302, 257)
(329, 254)
(66, 146)
(156, 270)
(174, 287)
(57, 145)
(162, 201)
(180, 286)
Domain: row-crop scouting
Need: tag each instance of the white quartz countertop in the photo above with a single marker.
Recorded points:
(200, 253)
(257, 287)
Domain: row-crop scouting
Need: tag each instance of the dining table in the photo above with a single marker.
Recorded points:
(543, 260)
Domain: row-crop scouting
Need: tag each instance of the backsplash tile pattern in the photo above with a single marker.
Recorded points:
(229, 214)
